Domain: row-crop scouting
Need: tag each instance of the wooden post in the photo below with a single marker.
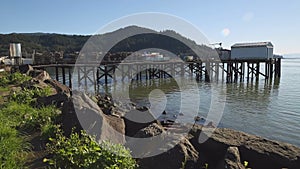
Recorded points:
(236, 73)
(252, 70)
(94, 79)
(207, 71)
(137, 71)
(201, 70)
(105, 74)
(271, 69)
(191, 65)
(70, 77)
(223, 67)
(146, 72)
(242, 71)
(172, 67)
(78, 76)
(97, 75)
(56, 73)
(231, 71)
(257, 70)
(182, 69)
(85, 77)
(63, 75)
(228, 73)
(217, 71)
(248, 72)
(279, 67)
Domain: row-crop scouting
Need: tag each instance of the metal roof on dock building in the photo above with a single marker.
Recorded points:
(253, 44)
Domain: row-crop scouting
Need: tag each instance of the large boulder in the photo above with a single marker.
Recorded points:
(37, 84)
(25, 69)
(56, 99)
(60, 88)
(136, 120)
(69, 118)
(39, 74)
(116, 123)
(162, 150)
(95, 122)
(259, 152)
(232, 159)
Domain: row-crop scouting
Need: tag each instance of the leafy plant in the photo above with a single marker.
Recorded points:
(49, 130)
(81, 151)
(12, 152)
(28, 96)
(4, 81)
(15, 114)
(13, 148)
(205, 166)
(246, 164)
(18, 78)
(26, 117)
(13, 79)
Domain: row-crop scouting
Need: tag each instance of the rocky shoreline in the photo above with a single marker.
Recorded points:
(226, 148)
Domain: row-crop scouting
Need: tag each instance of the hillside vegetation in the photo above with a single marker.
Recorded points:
(130, 39)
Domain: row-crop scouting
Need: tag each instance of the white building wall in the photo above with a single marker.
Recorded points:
(270, 53)
(251, 53)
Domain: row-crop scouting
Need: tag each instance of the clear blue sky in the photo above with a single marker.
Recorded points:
(226, 21)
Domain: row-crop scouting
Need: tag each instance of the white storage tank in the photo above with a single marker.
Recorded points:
(252, 51)
(15, 50)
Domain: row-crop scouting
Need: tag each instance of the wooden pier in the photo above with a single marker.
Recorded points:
(230, 71)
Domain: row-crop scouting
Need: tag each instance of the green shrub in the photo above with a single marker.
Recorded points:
(4, 89)
(81, 151)
(26, 117)
(49, 130)
(16, 114)
(42, 92)
(22, 97)
(4, 81)
(12, 147)
(28, 96)
(18, 78)
(13, 79)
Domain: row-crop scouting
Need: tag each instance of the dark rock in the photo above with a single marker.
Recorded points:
(116, 123)
(56, 100)
(34, 83)
(152, 130)
(25, 69)
(69, 118)
(143, 108)
(60, 88)
(39, 74)
(173, 151)
(136, 120)
(232, 159)
(259, 152)
(183, 155)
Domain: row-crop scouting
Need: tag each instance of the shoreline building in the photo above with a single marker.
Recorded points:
(252, 51)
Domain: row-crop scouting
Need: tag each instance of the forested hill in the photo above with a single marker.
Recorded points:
(44, 42)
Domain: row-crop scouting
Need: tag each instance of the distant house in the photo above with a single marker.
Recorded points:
(252, 51)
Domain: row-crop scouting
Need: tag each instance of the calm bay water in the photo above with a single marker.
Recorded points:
(268, 109)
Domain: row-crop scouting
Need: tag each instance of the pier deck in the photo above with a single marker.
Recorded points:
(229, 71)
